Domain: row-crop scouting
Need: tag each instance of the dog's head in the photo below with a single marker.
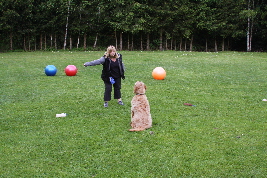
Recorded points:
(139, 88)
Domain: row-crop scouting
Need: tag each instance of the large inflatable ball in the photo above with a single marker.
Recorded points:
(159, 73)
(50, 70)
(71, 70)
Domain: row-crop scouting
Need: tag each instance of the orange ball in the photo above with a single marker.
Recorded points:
(159, 73)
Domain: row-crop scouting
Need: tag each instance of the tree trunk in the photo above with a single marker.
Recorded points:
(11, 41)
(248, 37)
(41, 42)
(121, 41)
(223, 45)
(215, 45)
(160, 39)
(35, 44)
(166, 44)
(95, 40)
(181, 43)
(51, 41)
(84, 41)
(29, 42)
(128, 42)
(132, 46)
(24, 43)
(228, 44)
(171, 42)
(67, 23)
(116, 41)
(45, 42)
(78, 42)
(206, 49)
(191, 43)
(185, 41)
(249, 30)
(70, 43)
(141, 42)
(147, 42)
(55, 42)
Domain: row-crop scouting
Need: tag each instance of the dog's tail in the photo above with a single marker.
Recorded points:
(137, 129)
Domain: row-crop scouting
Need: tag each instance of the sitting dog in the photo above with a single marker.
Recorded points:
(141, 117)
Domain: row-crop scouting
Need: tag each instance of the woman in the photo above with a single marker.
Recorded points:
(112, 73)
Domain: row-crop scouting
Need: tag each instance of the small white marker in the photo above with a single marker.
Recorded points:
(61, 115)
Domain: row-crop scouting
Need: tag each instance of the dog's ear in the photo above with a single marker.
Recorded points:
(135, 88)
(145, 86)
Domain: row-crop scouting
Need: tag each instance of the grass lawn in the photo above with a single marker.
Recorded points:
(225, 135)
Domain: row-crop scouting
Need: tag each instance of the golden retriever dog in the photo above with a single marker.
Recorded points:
(141, 117)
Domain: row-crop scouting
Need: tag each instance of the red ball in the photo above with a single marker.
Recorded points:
(71, 70)
(159, 73)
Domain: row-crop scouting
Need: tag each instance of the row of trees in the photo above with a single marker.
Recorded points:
(134, 24)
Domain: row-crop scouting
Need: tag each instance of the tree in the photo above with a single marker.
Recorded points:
(67, 23)
(8, 22)
(28, 24)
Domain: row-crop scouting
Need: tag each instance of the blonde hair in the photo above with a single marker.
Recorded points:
(109, 50)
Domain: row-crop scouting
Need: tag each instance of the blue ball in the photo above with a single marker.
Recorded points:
(50, 70)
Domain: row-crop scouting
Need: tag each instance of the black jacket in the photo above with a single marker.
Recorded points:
(106, 66)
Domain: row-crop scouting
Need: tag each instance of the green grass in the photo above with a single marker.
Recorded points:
(223, 136)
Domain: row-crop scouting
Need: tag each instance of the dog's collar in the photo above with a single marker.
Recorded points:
(140, 94)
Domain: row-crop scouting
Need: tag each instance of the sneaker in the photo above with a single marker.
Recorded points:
(106, 104)
(120, 103)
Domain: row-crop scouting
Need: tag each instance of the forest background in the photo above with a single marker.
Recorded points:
(189, 25)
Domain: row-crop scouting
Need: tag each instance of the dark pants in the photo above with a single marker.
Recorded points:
(108, 89)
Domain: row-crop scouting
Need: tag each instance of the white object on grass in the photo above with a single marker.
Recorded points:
(61, 115)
